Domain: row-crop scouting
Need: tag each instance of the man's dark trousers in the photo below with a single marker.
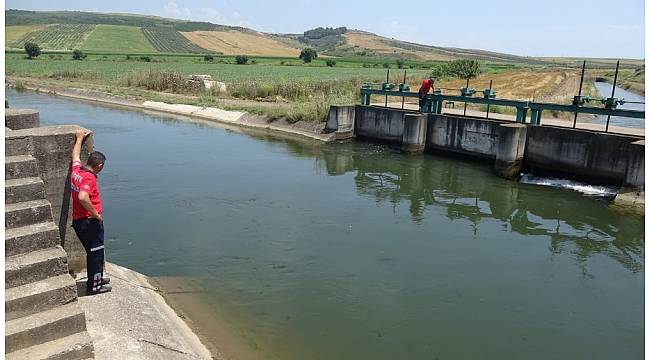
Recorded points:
(91, 233)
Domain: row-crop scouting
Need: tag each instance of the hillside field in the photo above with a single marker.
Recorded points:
(118, 38)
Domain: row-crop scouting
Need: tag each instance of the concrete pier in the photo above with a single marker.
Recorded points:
(415, 131)
(16, 119)
(340, 120)
(511, 144)
(634, 172)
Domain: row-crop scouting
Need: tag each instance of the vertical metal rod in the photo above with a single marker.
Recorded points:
(582, 77)
(387, 73)
(613, 90)
(465, 109)
(487, 114)
(403, 82)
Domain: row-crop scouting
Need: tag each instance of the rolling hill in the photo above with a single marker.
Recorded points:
(127, 33)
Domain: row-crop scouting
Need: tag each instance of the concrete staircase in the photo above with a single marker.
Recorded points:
(43, 317)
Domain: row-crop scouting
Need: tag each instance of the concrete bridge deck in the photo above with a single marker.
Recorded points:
(511, 117)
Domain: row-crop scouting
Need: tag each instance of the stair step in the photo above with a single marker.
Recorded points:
(24, 189)
(40, 295)
(20, 166)
(35, 266)
(27, 213)
(43, 327)
(74, 347)
(31, 238)
(16, 144)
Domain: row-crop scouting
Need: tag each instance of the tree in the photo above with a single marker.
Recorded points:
(330, 63)
(208, 57)
(307, 55)
(241, 59)
(400, 63)
(32, 50)
(464, 68)
(78, 55)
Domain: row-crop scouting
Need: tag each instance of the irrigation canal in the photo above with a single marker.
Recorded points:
(350, 251)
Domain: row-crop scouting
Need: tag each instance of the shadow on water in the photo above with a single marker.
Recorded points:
(469, 191)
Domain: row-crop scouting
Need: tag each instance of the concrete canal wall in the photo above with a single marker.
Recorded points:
(592, 156)
(51, 147)
(586, 154)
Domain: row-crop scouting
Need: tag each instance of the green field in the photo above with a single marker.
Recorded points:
(117, 38)
(57, 37)
(167, 39)
(112, 68)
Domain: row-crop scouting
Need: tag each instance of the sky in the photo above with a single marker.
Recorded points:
(594, 28)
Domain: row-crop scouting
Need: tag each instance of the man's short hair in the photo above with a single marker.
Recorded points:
(96, 158)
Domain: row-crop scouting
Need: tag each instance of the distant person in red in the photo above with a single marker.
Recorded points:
(87, 213)
(427, 84)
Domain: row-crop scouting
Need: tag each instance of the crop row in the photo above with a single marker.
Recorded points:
(166, 39)
(57, 37)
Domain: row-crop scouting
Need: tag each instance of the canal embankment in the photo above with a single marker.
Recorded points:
(304, 129)
(135, 322)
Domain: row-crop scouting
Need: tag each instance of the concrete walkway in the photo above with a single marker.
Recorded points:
(134, 322)
(545, 121)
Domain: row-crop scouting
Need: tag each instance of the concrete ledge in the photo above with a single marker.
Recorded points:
(631, 198)
(21, 118)
(134, 321)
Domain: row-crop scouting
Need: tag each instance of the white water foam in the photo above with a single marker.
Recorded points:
(593, 190)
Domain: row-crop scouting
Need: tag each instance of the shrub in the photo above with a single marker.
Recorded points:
(32, 50)
(128, 57)
(241, 59)
(400, 63)
(208, 57)
(162, 81)
(19, 85)
(307, 55)
(78, 55)
(386, 65)
(145, 58)
(282, 62)
(74, 74)
(253, 61)
(330, 63)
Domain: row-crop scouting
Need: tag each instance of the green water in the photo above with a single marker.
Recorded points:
(357, 251)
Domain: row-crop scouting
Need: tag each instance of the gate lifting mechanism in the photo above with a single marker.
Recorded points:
(433, 103)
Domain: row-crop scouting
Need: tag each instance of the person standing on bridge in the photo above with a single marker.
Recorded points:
(427, 84)
(87, 218)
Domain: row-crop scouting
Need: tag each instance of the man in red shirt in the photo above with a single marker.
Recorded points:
(87, 213)
(427, 84)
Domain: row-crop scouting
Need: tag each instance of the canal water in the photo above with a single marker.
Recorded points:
(605, 90)
(357, 251)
